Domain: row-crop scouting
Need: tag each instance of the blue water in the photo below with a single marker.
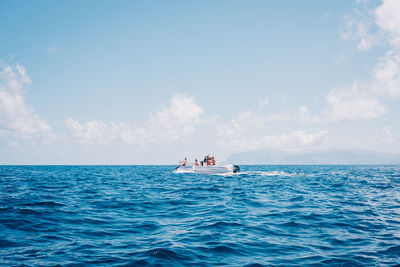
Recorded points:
(148, 215)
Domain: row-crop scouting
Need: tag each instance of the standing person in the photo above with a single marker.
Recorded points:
(208, 160)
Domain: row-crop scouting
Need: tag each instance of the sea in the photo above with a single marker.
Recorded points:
(152, 216)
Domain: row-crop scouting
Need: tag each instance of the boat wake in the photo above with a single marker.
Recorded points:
(267, 173)
(242, 173)
(180, 170)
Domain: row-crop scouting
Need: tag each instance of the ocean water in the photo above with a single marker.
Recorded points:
(149, 215)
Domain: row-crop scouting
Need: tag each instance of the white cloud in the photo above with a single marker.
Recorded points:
(295, 139)
(367, 40)
(360, 27)
(388, 19)
(179, 118)
(247, 131)
(258, 120)
(352, 103)
(387, 75)
(387, 71)
(99, 132)
(370, 28)
(355, 102)
(17, 118)
(166, 125)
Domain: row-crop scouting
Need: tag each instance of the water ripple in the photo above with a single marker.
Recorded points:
(149, 215)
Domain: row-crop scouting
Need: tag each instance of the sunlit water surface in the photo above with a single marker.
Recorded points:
(149, 215)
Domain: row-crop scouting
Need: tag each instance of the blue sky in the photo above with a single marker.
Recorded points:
(128, 82)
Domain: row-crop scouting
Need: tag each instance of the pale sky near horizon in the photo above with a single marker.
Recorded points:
(150, 82)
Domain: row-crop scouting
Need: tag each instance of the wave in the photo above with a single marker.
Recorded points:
(147, 215)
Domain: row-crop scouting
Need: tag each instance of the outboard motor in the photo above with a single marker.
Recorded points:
(236, 168)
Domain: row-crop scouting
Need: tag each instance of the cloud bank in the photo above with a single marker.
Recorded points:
(166, 125)
(355, 102)
(294, 140)
(17, 118)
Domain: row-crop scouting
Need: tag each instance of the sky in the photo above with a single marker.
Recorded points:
(152, 82)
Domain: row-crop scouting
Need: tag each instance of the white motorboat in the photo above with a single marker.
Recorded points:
(213, 169)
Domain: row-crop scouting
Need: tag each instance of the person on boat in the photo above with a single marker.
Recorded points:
(201, 163)
(184, 162)
(196, 162)
(213, 161)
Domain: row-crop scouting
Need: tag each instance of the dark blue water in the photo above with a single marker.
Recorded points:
(148, 215)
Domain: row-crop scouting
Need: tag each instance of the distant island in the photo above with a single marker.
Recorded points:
(314, 157)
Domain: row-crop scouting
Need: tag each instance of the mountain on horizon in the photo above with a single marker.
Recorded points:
(317, 157)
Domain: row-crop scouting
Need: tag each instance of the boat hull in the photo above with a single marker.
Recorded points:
(209, 169)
